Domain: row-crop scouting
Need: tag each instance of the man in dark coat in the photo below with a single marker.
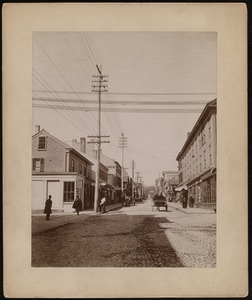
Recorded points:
(77, 204)
(48, 207)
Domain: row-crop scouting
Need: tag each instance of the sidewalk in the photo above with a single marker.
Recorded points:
(190, 210)
(57, 220)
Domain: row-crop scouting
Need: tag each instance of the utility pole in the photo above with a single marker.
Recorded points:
(99, 87)
(133, 166)
(122, 144)
(137, 182)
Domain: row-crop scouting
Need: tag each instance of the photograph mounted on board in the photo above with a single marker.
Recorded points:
(124, 148)
(117, 118)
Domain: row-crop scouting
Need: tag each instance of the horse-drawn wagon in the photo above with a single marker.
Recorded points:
(159, 201)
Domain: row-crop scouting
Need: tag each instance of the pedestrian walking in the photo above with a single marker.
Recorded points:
(77, 205)
(48, 207)
(191, 201)
(103, 204)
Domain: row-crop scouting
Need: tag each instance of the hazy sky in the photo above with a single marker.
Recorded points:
(158, 84)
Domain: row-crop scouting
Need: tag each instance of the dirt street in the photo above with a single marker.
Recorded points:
(135, 236)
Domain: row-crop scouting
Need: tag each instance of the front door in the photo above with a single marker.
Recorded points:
(53, 189)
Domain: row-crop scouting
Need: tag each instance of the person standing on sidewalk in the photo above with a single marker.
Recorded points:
(48, 207)
(191, 201)
(77, 205)
(184, 198)
(103, 204)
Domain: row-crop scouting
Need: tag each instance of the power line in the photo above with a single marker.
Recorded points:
(73, 91)
(138, 93)
(128, 102)
(124, 110)
(52, 92)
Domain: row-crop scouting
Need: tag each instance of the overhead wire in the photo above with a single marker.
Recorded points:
(93, 49)
(81, 129)
(97, 54)
(55, 66)
(62, 106)
(92, 60)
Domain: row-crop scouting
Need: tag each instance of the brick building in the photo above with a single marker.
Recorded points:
(197, 158)
(60, 171)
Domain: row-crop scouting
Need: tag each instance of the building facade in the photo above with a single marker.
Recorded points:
(170, 182)
(197, 158)
(60, 171)
(89, 152)
(167, 183)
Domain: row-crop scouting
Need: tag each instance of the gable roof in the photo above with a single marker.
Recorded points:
(44, 132)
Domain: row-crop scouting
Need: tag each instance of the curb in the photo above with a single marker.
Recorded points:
(207, 211)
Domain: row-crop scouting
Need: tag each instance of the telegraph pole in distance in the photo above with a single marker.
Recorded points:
(122, 144)
(137, 173)
(133, 166)
(99, 87)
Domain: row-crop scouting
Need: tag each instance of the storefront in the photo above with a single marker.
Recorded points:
(62, 187)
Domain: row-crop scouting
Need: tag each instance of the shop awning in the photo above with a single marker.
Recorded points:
(211, 173)
(180, 188)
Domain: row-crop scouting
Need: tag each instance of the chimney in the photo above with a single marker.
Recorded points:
(83, 145)
(90, 149)
(74, 143)
(37, 128)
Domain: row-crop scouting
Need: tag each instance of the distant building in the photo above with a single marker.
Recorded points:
(170, 182)
(197, 158)
(167, 183)
(83, 148)
(60, 171)
(110, 170)
(114, 176)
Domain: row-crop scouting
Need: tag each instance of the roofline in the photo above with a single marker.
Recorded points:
(62, 143)
(207, 108)
(80, 154)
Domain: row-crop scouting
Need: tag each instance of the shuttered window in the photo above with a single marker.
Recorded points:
(38, 164)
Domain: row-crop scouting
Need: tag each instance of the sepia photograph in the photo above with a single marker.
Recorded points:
(124, 149)
(122, 127)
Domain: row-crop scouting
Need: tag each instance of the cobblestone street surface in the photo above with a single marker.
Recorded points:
(135, 236)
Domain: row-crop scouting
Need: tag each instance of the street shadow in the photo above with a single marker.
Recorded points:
(107, 241)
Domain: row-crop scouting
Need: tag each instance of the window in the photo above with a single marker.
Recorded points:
(205, 159)
(69, 191)
(210, 154)
(42, 143)
(80, 168)
(72, 165)
(200, 140)
(203, 137)
(38, 164)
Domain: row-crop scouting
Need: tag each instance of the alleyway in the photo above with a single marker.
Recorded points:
(134, 236)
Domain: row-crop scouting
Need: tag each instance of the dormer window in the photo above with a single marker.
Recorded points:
(42, 143)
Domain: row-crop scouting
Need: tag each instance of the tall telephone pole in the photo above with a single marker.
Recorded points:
(99, 86)
(122, 144)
